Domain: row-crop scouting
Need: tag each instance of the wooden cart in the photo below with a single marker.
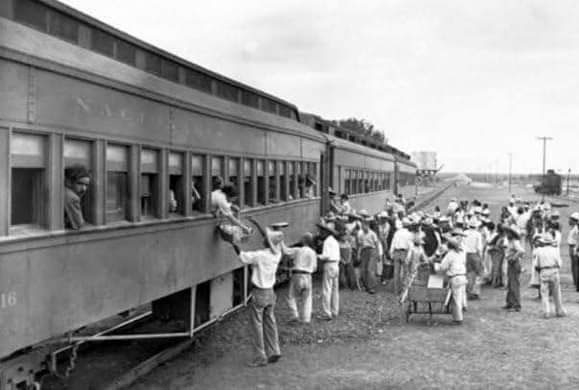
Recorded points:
(421, 299)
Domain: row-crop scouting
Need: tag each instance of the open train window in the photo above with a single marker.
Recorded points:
(117, 194)
(250, 99)
(102, 42)
(234, 173)
(78, 152)
(153, 63)
(149, 184)
(314, 173)
(170, 70)
(261, 190)
(293, 182)
(283, 181)
(301, 180)
(126, 52)
(197, 185)
(217, 171)
(248, 182)
(198, 80)
(176, 184)
(272, 182)
(28, 156)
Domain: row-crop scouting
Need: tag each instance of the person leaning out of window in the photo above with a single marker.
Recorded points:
(77, 180)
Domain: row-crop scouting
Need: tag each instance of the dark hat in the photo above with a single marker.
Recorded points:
(279, 225)
(331, 191)
(327, 228)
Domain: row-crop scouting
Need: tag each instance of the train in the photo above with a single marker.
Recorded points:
(551, 184)
(145, 123)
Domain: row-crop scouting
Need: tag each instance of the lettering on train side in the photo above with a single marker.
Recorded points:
(8, 299)
(89, 106)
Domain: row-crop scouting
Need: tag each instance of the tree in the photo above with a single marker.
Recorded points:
(361, 127)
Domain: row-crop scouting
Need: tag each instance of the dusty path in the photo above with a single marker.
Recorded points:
(368, 348)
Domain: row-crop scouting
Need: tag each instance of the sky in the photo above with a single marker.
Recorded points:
(472, 80)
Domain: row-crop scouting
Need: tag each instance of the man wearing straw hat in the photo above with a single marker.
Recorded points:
(454, 266)
(514, 255)
(402, 242)
(331, 276)
(264, 263)
(473, 246)
(368, 254)
(548, 263)
(300, 288)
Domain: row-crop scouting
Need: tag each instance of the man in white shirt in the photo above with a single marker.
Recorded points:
(454, 266)
(473, 247)
(305, 263)
(573, 241)
(264, 263)
(548, 263)
(331, 277)
(402, 241)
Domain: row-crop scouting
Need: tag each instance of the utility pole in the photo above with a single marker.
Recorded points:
(544, 139)
(510, 170)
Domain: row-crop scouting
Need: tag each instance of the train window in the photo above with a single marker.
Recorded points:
(217, 173)
(234, 172)
(153, 63)
(149, 183)
(347, 188)
(197, 186)
(300, 170)
(360, 182)
(126, 52)
(269, 105)
(293, 184)
(249, 99)
(117, 194)
(314, 173)
(198, 80)
(170, 70)
(283, 181)
(285, 111)
(366, 181)
(261, 190)
(248, 182)
(28, 158)
(227, 91)
(77, 152)
(102, 42)
(272, 182)
(63, 26)
(31, 13)
(176, 184)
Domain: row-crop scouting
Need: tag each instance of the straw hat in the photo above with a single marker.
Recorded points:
(279, 225)
(574, 216)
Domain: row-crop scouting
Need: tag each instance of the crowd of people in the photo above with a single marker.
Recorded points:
(359, 251)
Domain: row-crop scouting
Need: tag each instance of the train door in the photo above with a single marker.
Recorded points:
(326, 177)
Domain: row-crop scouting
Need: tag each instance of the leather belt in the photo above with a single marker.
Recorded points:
(299, 271)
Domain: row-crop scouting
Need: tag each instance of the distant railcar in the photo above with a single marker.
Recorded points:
(147, 124)
(551, 184)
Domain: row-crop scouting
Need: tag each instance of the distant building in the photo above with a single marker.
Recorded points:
(425, 161)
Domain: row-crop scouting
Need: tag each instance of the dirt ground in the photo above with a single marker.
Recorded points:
(367, 347)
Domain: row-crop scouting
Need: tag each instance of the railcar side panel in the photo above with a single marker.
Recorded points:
(74, 280)
(14, 91)
(69, 103)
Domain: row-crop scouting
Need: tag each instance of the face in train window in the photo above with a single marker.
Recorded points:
(176, 184)
(234, 173)
(197, 185)
(217, 173)
(77, 179)
(149, 183)
(117, 193)
(28, 157)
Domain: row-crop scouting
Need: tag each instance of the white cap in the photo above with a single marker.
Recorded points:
(575, 216)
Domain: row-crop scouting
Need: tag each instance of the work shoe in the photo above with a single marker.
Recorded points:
(273, 359)
(324, 318)
(257, 363)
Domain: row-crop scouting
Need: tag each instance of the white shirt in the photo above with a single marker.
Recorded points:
(573, 237)
(453, 263)
(547, 256)
(219, 203)
(472, 243)
(331, 250)
(403, 239)
(304, 258)
(263, 265)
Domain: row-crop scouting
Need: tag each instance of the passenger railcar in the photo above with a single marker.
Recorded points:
(147, 124)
